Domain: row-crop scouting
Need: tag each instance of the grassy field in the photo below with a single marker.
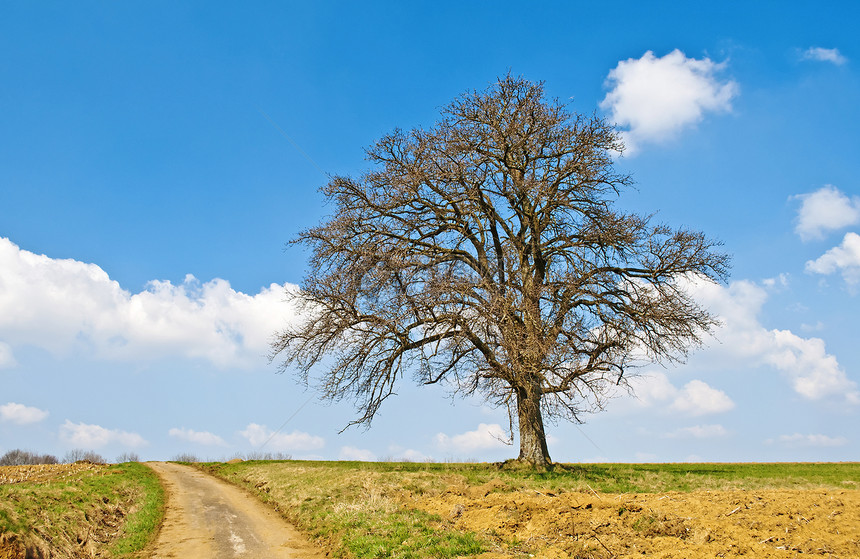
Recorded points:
(411, 510)
(103, 511)
(368, 510)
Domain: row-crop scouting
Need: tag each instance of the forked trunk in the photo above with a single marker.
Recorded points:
(533, 447)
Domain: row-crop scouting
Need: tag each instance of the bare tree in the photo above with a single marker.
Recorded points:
(81, 455)
(18, 457)
(127, 457)
(486, 252)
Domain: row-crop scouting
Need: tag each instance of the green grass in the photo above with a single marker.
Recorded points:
(355, 509)
(657, 478)
(142, 525)
(111, 510)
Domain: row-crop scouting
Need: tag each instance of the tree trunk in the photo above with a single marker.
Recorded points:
(533, 447)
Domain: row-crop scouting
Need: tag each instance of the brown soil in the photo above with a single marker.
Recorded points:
(768, 523)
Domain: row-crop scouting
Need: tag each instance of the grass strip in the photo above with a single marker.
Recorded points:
(658, 478)
(142, 524)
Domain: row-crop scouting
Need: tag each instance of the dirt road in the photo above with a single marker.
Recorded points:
(207, 517)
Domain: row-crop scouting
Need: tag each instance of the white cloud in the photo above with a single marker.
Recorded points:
(21, 414)
(486, 436)
(814, 373)
(779, 281)
(655, 98)
(653, 388)
(695, 398)
(61, 305)
(353, 453)
(844, 258)
(798, 439)
(258, 435)
(197, 437)
(86, 436)
(7, 358)
(698, 432)
(824, 55)
(827, 209)
(743, 341)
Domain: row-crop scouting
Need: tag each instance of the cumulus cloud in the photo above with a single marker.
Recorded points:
(698, 432)
(655, 98)
(258, 435)
(741, 341)
(844, 258)
(696, 398)
(60, 305)
(21, 414)
(824, 55)
(827, 209)
(87, 436)
(197, 437)
(799, 440)
(486, 436)
(353, 453)
(812, 372)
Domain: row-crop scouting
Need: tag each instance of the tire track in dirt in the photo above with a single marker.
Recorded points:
(207, 517)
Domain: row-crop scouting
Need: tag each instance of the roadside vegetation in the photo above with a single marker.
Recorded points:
(422, 510)
(79, 510)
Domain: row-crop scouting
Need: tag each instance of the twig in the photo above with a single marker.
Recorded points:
(595, 493)
(734, 511)
(767, 540)
(609, 551)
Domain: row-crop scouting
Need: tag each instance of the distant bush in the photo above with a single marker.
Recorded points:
(80, 455)
(268, 456)
(20, 457)
(185, 457)
(127, 457)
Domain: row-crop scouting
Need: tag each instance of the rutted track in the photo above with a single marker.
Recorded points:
(206, 517)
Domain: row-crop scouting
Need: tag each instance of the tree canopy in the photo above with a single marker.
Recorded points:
(486, 253)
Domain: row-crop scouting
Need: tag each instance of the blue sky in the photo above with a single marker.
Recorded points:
(155, 158)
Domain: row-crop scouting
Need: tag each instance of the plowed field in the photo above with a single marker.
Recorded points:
(43, 472)
(766, 523)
